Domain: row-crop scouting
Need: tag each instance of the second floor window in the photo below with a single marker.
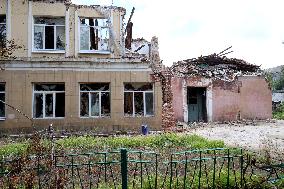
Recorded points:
(2, 97)
(94, 34)
(2, 30)
(49, 34)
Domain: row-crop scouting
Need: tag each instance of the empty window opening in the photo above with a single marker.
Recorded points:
(2, 97)
(49, 33)
(138, 99)
(196, 102)
(49, 101)
(94, 34)
(94, 100)
(2, 31)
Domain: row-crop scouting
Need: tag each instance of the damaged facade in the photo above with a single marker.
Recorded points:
(73, 69)
(217, 88)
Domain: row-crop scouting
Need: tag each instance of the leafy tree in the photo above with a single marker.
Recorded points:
(279, 83)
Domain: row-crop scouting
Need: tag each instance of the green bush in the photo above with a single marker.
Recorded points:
(279, 112)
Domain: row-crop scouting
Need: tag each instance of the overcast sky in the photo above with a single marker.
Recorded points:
(190, 28)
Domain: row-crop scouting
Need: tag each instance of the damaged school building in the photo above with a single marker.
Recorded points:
(77, 67)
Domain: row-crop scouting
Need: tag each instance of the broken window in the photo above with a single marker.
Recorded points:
(2, 97)
(2, 30)
(94, 100)
(49, 100)
(49, 33)
(94, 34)
(138, 99)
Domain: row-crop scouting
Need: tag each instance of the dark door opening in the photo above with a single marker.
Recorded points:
(196, 103)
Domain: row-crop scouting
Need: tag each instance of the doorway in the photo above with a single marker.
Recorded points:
(196, 103)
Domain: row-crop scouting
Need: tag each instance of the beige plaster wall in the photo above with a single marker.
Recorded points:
(19, 94)
(3, 7)
(20, 28)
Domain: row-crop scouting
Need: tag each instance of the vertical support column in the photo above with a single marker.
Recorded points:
(30, 29)
(111, 19)
(184, 101)
(123, 153)
(67, 38)
(209, 96)
(8, 20)
(76, 37)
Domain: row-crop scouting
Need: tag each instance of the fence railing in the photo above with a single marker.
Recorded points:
(208, 168)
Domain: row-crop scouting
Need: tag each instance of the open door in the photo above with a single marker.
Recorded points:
(196, 103)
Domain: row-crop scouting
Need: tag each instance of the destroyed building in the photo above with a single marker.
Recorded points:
(74, 69)
(217, 88)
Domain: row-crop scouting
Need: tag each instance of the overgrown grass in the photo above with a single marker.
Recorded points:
(279, 112)
(162, 141)
(157, 143)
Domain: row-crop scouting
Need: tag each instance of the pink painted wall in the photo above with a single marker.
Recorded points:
(225, 103)
(247, 98)
(256, 98)
(177, 98)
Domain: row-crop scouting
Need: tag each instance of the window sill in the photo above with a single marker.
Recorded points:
(93, 52)
(40, 118)
(49, 51)
(95, 117)
(146, 116)
(2, 118)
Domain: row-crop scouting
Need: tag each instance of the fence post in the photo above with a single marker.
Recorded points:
(123, 153)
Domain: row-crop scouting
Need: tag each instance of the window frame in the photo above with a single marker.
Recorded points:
(3, 92)
(54, 50)
(90, 100)
(44, 93)
(79, 39)
(144, 101)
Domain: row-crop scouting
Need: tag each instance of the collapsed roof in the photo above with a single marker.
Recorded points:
(215, 66)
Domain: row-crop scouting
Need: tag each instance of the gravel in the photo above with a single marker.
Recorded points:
(249, 135)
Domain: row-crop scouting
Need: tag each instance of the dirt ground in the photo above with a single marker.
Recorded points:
(253, 135)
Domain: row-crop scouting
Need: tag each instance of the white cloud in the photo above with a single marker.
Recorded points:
(188, 28)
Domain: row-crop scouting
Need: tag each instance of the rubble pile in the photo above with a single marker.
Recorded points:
(214, 66)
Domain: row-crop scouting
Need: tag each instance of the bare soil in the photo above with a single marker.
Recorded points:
(253, 135)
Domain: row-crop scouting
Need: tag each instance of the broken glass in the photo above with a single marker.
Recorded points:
(128, 103)
(38, 105)
(49, 105)
(49, 21)
(138, 103)
(49, 87)
(94, 34)
(60, 37)
(2, 30)
(95, 87)
(102, 22)
(60, 105)
(95, 104)
(105, 104)
(84, 105)
(2, 105)
(149, 100)
(38, 37)
(138, 87)
(49, 33)
(104, 39)
(84, 38)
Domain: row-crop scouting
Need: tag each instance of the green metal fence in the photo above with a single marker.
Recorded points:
(208, 168)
